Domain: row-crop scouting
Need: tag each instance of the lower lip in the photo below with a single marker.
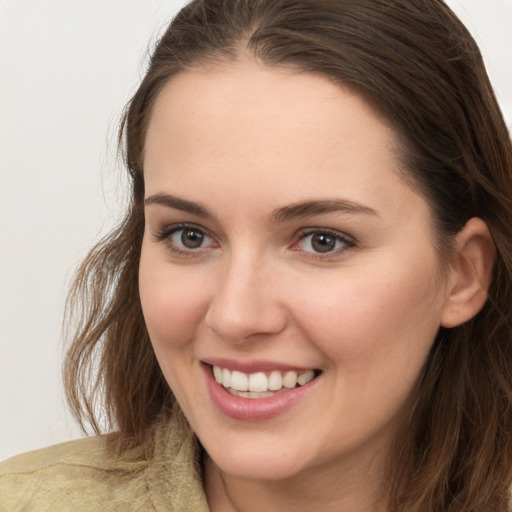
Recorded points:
(254, 409)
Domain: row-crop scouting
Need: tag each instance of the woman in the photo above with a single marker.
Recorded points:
(314, 271)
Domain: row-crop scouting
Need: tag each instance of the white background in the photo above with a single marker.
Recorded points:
(67, 68)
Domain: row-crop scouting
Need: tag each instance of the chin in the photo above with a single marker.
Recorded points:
(257, 459)
(257, 469)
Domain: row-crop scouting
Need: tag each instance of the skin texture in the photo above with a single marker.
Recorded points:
(244, 141)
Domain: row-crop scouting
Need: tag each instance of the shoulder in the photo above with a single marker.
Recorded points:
(85, 475)
(90, 450)
(78, 473)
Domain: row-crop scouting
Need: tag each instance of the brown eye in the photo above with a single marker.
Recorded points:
(186, 239)
(323, 242)
(192, 238)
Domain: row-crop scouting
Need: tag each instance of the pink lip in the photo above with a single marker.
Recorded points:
(253, 366)
(253, 410)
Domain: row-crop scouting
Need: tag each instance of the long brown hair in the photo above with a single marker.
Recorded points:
(415, 62)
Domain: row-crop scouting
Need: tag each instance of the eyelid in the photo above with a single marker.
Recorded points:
(165, 235)
(349, 242)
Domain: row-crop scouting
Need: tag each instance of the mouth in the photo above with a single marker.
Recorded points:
(261, 384)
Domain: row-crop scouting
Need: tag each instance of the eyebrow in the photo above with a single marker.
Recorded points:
(179, 204)
(319, 207)
(286, 213)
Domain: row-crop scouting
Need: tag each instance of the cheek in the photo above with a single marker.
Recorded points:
(375, 332)
(173, 304)
(387, 317)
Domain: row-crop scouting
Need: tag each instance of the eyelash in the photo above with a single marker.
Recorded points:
(165, 235)
(348, 242)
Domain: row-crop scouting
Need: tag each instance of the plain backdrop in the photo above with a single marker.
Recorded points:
(67, 68)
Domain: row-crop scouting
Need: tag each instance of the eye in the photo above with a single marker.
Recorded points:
(191, 238)
(324, 241)
(185, 238)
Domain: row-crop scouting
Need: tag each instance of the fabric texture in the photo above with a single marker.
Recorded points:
(84, 476)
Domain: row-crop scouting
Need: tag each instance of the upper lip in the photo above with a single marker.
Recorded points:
(254, 365)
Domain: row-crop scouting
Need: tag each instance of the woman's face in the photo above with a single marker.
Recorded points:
(282, 243)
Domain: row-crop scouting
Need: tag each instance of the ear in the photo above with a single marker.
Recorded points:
(470, 273)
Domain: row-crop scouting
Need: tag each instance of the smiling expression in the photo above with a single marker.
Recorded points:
(282, 244)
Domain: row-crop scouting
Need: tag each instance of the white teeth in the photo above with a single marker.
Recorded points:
(290, 380)
(259, 385)
(305, 377)
(251, 394)
(239, 381)
(226, 378)
(258, 382)
(275, 381)
(218, 374)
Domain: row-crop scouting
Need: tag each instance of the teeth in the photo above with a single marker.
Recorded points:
(290, 380)
(258, 382)
(251, 394)
(275, 381)
(239, 381)
(245, 385)
(305, 377)
(226, 378)
(217, 372)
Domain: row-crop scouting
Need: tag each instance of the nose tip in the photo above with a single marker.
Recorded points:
(233, 327)
(245, 306)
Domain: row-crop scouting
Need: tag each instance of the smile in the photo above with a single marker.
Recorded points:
(262, 392)
(260, 384)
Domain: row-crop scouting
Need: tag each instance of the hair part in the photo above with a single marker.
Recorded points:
(418, 66)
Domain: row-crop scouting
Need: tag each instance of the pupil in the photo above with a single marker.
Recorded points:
(192, 239)
(323, 243)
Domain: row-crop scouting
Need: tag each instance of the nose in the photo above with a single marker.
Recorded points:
(246, 303)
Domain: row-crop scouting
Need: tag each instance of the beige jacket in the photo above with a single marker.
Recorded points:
(82, 476)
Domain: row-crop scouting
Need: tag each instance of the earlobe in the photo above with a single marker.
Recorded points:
(470, 273)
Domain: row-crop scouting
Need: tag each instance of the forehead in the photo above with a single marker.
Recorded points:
(242, 129)
(245, 103)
